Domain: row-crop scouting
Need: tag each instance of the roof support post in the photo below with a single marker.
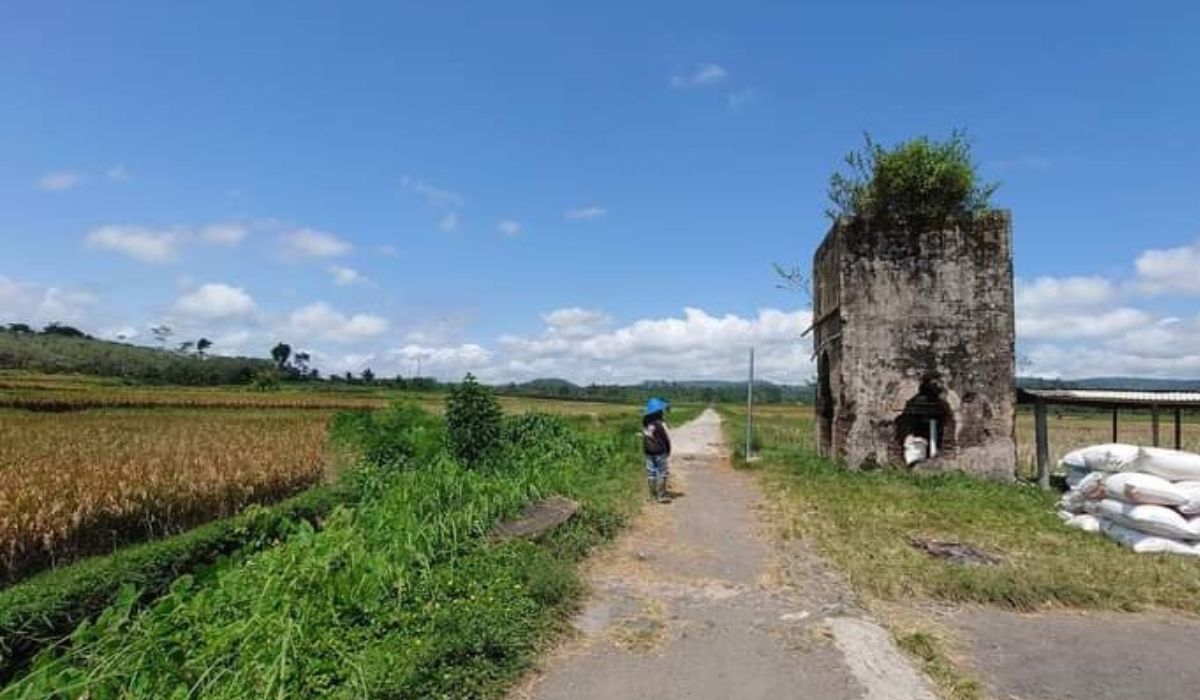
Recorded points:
(1043, 444)
(1114, 430)
(1154, 425)
(1178, 435)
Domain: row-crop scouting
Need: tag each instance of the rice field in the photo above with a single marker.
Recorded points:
(84, 482)
(90, 464)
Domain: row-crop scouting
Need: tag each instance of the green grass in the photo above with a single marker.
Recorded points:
(929, 651)
(403, 596)
(862, 521)
(48, 607)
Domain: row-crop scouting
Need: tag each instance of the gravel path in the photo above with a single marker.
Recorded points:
(700, 599)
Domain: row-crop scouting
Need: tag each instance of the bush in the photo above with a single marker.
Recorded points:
(397, 437)
(535, 431)
(917, 186)
(472, 422)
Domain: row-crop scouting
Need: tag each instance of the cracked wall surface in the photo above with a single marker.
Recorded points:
(896, 310)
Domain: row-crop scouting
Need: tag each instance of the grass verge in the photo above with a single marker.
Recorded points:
(861, 521)
(402, 596)
(46, 608)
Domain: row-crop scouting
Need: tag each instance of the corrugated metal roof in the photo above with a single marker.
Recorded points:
(1112, 397)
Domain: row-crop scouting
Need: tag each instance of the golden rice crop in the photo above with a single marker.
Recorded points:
(84, 482)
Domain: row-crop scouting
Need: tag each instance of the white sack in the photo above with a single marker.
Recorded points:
(1076, 475)
(1192, 489)
(1172, 465)
(1085, 522)
(916, 449)
(1072, 502)
(1135, 487)
(1153, 520)
(1111, 457)
(1143, 543)
(1090, 488)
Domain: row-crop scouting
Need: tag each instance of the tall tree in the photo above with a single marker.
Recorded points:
(281, 353)
(202, 346)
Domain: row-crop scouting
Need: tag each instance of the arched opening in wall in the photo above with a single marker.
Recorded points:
(824, 405)
(926, 417)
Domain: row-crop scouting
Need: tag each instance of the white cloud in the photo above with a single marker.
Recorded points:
(445, 362)
(320, 320)
(1170, 270)
(434, 196)
(227, 234)
(117, 173)
(575, 322)
(215, 301)
(1046, 293)
(388, 250)
(60, 181)
(161, 245)
(580, 345)
(509, 228)
(585, 213)
(740, 98)
(311, 243)
(347, 276)
(22, 302)
(449, 222)
(1081, 323)
(145, 245)
(705, 74)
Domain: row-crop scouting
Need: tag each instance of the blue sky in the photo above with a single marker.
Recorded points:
(593, 191)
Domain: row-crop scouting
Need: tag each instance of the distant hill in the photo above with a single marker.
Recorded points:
(1117, 383)
(694, 390)
(69, 351)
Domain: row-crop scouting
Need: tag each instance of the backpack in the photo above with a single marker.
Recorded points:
(654, 439)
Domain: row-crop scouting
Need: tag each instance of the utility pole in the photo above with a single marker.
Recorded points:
(750, 406)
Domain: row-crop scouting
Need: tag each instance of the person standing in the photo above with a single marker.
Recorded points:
(656, 445)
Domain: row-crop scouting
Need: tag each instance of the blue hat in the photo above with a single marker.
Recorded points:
(656, 406)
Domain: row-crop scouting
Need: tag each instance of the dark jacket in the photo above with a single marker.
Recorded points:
(655, 440)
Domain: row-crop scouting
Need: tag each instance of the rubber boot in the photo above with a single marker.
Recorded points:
(653, 484)
(660, 489)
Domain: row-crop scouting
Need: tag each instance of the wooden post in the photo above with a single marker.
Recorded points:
(1043, 444)
(1178, 435)
(1114, 424)
(1154, 425)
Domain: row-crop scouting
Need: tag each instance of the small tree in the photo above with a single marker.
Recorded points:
(281, 353)
(368, 376)
(162, 333)
(472, 421)
(20, 328)
(300, 360)
(63, 330)
(202, 347)
(919, 185)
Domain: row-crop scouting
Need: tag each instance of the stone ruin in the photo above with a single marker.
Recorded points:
(913, 336)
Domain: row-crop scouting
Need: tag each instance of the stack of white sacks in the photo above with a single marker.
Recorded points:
(1146, 498)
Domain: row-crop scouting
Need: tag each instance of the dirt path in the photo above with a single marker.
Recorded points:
(699, 599)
